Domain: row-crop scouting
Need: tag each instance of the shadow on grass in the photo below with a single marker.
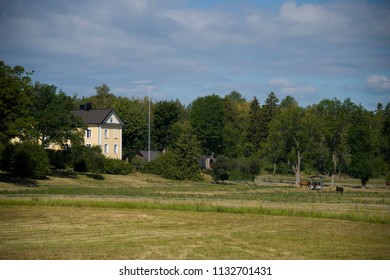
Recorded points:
(22, 182)
(64, 174)
(95, 176)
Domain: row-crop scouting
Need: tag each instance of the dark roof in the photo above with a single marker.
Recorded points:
(95, 116)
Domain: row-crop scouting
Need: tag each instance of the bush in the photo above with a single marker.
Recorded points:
(117, 167)
(165, 166)
(57, 159)
(29, 160)
(168, 165)
(221, 169)
(387, 177)
(7, 156)
(88, 159)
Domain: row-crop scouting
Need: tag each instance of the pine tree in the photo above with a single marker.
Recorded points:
(255, 129)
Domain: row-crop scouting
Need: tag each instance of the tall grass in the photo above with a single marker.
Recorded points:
(198, 207)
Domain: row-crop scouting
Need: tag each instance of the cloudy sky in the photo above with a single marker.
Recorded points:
(183, 49)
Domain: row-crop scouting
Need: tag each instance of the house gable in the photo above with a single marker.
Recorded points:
(112, 118)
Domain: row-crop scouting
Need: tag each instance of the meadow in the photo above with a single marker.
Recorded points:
(90, 216)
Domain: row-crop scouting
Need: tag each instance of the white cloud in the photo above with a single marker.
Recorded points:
(312, 20)
(288, 87)
(378, 83)
(187, 50)
(305, 14)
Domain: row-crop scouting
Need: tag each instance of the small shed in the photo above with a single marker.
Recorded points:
(317, 182)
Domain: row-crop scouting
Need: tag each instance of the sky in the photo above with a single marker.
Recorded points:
(184, 49)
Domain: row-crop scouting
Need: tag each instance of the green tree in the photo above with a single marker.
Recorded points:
(55, 122)
(286, 131)
(288, 101)
(135, 127)
(207, 118)
(103, 98)
(254, 130)
(386, 134)
(221, 169)
(188, 152)
(361, 144)
(30, 161)
(235, 124)
(315, 151)
(269, 110)
(165, 115)
(334, 125)
(253, 168)
(182, 162)
(15, 102)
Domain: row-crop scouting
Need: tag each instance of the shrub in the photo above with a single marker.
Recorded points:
(117, 166)
(165, 166)
(169, 165)
(221, 169)
(30, 160)
(7, 156)
(80, 165)
(57, 159)
(388, 177)
(88, 159)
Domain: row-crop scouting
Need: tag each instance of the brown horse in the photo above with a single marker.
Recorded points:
(305, 184)
(339, 189)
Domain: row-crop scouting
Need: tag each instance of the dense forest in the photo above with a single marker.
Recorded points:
(276, 136)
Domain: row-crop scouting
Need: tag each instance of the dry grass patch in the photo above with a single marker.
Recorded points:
(104, 233)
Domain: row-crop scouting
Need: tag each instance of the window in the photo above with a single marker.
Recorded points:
(88, 145)
(106, 133)
(89, 133)
(116, 133)
(115, 148)
(106, 148)
(110, 120)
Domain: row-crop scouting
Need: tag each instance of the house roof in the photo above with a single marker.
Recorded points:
(96, 116)
(153, 154)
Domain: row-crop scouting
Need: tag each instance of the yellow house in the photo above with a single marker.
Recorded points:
(104, 129)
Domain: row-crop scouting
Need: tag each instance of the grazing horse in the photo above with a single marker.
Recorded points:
(304, 183)
(339, 189)
(387, 184)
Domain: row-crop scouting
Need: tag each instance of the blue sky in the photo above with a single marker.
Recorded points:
(184, 49)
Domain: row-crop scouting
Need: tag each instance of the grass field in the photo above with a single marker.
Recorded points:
(88, 216)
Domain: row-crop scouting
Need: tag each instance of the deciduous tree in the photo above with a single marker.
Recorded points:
(207, 118)
(15, 102)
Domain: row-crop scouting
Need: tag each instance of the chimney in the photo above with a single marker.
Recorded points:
(88, 106)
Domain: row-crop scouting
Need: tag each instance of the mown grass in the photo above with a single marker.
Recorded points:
(68, 232)
(77, 216)
(200, 207)
(147, 186)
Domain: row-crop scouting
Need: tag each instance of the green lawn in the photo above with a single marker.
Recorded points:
(79, 216)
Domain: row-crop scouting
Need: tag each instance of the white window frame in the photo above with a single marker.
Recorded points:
(88, 133)
(106, 148)
(115, 148)
(88, 145)
(106, 133)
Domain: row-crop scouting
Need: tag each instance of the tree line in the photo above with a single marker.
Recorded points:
(331, 138)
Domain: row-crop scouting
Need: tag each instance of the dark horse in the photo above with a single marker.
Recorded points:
(339, 189)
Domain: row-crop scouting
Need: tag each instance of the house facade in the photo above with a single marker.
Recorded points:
(104, 129)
